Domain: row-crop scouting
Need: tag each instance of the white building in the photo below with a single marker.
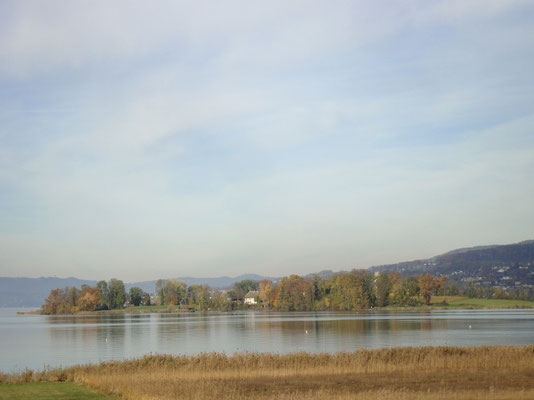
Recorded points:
(251, 297)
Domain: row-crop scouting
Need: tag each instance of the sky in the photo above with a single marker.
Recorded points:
(144, 140)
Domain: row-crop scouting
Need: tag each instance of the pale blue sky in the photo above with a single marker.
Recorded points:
(142, 140)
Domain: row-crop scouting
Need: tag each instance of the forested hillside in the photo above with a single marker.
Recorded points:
(501, 265)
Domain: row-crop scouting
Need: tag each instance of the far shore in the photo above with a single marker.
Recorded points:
(438, 303)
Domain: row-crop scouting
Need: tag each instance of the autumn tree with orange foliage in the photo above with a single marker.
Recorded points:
(89, 298)
(265, 287)
(429, 283)
(56, 303)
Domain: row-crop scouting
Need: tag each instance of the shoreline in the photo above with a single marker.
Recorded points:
(175, 310)
(497, 372)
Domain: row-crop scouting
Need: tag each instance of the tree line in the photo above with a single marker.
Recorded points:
(104, 296)
(354, 290)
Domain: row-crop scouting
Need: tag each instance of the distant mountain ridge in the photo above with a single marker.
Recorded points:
(503, 265)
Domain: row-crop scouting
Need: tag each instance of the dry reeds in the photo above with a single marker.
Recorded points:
(495, 372)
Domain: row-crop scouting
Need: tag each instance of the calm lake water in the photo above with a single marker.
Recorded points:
(35, 341)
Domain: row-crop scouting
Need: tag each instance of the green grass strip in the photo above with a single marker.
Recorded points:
(47, 391)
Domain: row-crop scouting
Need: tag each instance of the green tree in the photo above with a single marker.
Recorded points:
(72, 295)
(219, 301)
(382, 289)
(160, 290)
(103, 288)
(351, 291)
(246, 286)
(136, 295)
(117, 293)
(199, 296)
(146, 299)
(293, 293)
(342, 292)
(406, 291)
(324, 293)
(174, 292)
(234, 295)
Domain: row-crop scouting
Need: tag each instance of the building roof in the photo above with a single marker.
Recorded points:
(252, 294)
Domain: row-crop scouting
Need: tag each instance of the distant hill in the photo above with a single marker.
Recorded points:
(31, 292)
(502, 265)
(325, 274)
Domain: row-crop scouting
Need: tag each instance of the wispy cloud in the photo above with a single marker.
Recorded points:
(144, 140)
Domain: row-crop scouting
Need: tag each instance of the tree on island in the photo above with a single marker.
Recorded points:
(174, 292)
(220, 301)
(245, 286)
(136, 296)
(112, 293)
(89, 298)
(199, 295)
(117, 293)
(160, 290)
(103, 288)
(382, 290)
(56, 303)
(343, 291)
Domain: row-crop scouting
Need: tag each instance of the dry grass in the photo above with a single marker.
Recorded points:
(494, 372)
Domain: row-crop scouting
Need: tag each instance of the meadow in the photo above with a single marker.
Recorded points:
(49, 391)
(466, 302)
(490, 372)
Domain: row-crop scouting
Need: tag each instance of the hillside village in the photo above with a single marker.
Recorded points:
(510, 267)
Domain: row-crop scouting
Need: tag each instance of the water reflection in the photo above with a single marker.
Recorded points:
(33, 341)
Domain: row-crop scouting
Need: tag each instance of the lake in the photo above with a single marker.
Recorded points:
(36, 341)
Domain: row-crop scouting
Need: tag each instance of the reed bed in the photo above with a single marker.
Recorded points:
(492, 372)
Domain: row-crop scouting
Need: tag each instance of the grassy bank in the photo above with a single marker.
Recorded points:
(466, 302)
(494, 372)
(48, 391)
